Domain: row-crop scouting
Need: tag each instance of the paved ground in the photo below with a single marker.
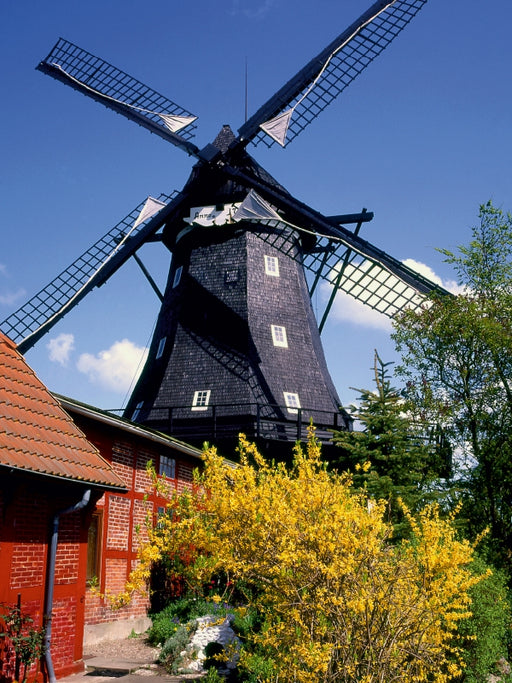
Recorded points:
(118, 670)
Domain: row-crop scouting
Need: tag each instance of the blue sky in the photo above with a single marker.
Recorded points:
(421, 138)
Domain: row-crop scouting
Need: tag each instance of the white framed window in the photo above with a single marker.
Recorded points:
(279, 336)
(291, 401)
(161, 347)
(177, 276)
(137, 410)
(167, 467)
(271, 265)
(201, 399)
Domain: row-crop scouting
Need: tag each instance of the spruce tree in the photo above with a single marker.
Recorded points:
(392, 456)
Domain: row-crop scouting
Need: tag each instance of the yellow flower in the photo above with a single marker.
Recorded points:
(332, 586)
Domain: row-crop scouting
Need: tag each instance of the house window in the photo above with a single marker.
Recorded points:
(94, 548)
(137, 410)
(161, 347)
(177, 276)
(201, 399)
(160, 517)
(279, 336)
(271, 266)
(167, 467)
(291, 401)
(163, 515)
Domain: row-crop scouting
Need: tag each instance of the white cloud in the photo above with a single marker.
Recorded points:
(427, 272)
(60, 348)
(115, 368)
(348, 309)
(11, 298)
(251, 9)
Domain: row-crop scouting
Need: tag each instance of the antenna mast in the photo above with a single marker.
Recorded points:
(246, 90)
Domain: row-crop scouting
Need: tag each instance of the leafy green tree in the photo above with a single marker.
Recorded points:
(393, 457)
(457, 365)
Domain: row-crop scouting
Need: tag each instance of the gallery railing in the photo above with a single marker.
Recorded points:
(259, 421)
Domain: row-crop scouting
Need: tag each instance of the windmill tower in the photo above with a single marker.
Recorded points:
(236, 345)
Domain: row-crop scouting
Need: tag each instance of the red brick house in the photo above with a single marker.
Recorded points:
(73, 494)
(50, 477)
(118, 521)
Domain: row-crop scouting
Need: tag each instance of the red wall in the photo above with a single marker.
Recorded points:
(27, 507)
(124, 514)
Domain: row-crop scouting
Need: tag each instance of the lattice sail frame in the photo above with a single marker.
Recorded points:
(364, 279)
(59, 296)
(325, 77)
(80, 68)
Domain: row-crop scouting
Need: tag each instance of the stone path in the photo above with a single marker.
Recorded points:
(117, 670)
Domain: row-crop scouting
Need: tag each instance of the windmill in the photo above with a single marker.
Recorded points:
(236, 345)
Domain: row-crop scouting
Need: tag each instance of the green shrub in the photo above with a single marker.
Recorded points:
(166, 622)
(487, 633)
(173, 626)
(246, 622)
(213, 676)
(256, 667)
(170, 655)
(164, 626)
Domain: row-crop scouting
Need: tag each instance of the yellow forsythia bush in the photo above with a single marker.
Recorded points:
(340, 601)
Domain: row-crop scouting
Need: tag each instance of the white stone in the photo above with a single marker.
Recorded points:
(211, 629)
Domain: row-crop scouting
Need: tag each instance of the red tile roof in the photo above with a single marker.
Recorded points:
(37, 435)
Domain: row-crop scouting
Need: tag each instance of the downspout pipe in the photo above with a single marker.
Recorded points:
(50, 579)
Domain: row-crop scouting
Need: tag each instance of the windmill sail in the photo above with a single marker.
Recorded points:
(117, 90)
(314, 87)
(38, 315)
(254, 207)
